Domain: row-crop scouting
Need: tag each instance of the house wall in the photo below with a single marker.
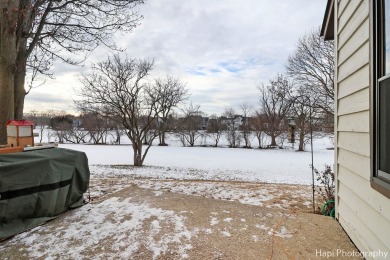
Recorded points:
(362, 211)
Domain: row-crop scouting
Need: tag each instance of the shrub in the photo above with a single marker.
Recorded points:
(326, 188)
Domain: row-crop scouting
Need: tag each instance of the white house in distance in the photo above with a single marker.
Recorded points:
(361, 31)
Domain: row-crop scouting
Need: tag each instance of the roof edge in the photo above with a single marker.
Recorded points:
(327, 29)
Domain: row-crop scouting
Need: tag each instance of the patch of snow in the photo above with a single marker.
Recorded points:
(119, 221)
(208, 231)
(213, 221)
(282, 233)
(244, 228)
(255, 238)
(158, 193)
(226, 233)
(245, 193)
(264, 227)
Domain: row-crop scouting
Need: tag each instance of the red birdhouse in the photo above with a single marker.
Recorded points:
(20, 133)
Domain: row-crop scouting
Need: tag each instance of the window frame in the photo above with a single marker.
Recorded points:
(379, 180)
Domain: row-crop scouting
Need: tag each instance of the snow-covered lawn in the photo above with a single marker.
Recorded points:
(209, 163)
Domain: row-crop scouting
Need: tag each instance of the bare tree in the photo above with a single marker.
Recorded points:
(312, 66)
(303, 112)
(246, 128)
(115, 89)
(117, 133)
(307, 115)
(215, 128)
(283, 137)
(258, 126)
(172, 93)
(189, 125)
(233, 123)
(34, 33)
(275, 105)
(75, 135)
(97, 126)
(61, 124)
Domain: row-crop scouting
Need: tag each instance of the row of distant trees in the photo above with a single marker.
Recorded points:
(239, 126)
(87, 128)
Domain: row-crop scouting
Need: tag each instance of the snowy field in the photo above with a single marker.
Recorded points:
(210, 163)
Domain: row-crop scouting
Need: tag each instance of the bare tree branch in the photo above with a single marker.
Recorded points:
(312, 66)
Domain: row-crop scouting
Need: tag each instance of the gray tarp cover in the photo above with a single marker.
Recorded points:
(37, 186)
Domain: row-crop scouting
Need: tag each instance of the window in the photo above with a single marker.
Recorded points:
(381, 97)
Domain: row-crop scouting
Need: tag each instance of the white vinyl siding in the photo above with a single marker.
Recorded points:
(362, 211)
(360, 14)
(358, 164)
(356, 102)
(356, 122)
(354, 83)
(356, 61)
(354, 43)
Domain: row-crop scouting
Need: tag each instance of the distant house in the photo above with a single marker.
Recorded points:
(360, 29)
(204, 123)
(194, 122)
(233, 122)
(77, 122)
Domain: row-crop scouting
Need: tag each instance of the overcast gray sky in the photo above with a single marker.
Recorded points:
(222, 49)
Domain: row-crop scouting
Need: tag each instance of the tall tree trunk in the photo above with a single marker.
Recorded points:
(273, 138)
(6, 94)
(20, 76)
(302, 131)
(145, 140)
(7, 65)
(258, 135)
(161, 136)
(301, 139)
(137, 148)
(26, 21)
(163, 139)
